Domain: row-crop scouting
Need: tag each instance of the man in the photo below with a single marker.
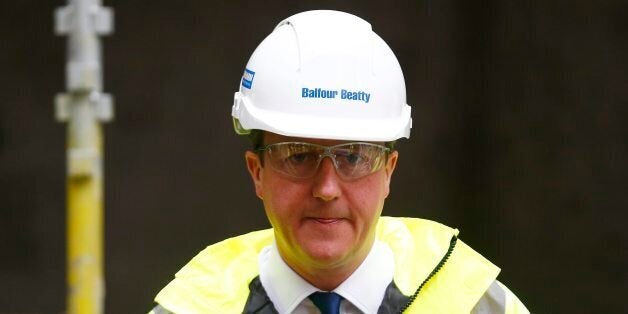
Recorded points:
(323, 100)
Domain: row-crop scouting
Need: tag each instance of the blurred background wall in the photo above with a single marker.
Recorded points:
(519, 140)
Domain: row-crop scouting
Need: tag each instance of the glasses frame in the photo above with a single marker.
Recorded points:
(327, 152)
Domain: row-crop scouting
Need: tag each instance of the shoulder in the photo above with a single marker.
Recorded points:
(418, 245)
(219, 275)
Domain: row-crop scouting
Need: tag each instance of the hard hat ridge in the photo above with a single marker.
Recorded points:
(329, 33)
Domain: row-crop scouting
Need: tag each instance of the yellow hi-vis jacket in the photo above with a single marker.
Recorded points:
(217, 279)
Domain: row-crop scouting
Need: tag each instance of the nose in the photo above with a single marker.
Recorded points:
(326, 181)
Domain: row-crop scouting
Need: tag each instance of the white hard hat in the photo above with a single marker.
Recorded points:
(323, 74)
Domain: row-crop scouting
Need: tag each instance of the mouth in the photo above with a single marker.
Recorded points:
(326, 221)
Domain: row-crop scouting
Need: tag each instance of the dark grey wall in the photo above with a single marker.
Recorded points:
(519, 140)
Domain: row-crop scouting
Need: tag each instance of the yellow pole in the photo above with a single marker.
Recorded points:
(85, 213)
(84, 107)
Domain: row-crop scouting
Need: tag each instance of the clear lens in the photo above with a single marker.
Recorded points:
(301, 160)
(295, 159)
(357, 160)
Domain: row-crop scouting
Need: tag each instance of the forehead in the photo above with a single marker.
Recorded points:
(271, 138)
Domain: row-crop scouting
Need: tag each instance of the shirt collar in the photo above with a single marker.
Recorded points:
(285, 288)
(365, 288)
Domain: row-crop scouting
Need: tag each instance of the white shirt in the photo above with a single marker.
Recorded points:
(362, 292)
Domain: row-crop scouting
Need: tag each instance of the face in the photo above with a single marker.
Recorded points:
(322, 222)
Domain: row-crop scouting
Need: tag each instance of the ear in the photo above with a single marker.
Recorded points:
(254, 165)
(391, 163)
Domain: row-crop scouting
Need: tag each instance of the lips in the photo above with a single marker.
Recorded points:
(326, 221)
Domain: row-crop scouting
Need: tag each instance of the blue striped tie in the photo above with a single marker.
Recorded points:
(327, 302)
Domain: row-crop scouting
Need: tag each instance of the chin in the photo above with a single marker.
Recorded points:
(326, 254)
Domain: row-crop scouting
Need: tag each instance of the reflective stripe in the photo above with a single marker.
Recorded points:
(513, 304)
(493, 301)
(159, 310)
(499, 299)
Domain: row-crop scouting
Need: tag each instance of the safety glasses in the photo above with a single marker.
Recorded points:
(301, 160)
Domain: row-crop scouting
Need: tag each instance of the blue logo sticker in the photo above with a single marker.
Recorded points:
(247, 78)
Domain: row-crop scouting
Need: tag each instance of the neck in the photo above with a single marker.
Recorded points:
(324, 278)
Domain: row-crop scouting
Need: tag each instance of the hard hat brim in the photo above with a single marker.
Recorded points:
(248, 117)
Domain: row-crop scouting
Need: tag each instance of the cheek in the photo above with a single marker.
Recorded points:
(369, 191)
(283, 199)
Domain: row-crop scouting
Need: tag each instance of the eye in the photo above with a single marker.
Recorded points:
(350, 156)
(298, 158)
(354, 158)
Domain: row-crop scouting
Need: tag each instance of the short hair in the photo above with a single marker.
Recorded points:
(257, 139)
